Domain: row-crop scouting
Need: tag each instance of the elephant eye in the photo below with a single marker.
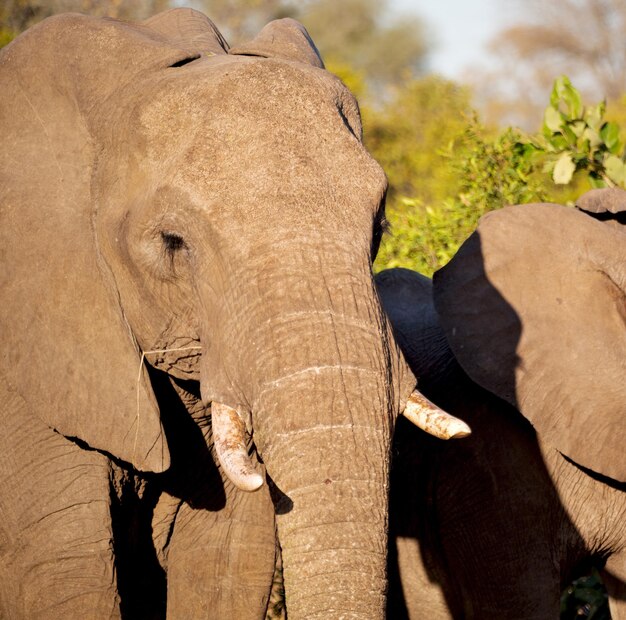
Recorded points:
(172, 242)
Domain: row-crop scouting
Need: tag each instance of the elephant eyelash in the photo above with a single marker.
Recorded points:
(383, 224)
(381, 217)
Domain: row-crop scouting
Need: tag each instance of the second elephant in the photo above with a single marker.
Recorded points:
(523, 335)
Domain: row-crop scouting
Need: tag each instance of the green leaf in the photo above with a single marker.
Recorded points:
(572, 99)
(559, 143)
(568, 134)
(593, 136)
(564, 169)
(564, 92)
(610, 135)
(596, 181)
(578, 127)
(615, 170)
(552, 119)
(557, 89)
(595, 114)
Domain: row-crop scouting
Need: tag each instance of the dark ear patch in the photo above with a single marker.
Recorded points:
(172, 241)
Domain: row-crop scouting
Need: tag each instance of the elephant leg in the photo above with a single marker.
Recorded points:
(423, 595)
(416, 583)
(614, 577)
(500, 520)
(216, 543)
(220, 564)
(56, 554)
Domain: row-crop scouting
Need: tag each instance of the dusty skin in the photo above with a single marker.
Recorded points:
(186, 224)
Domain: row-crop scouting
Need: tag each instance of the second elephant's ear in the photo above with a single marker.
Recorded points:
(286, 39)
(534, 309)
(607, 204)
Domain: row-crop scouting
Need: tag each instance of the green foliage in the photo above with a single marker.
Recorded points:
(412, 134)
(6, 36)
(585, 598)
(576, 139)
(422, 236)
(577, 148)
(490, 172)
(360, 33)
(354, 79)
(496, 171)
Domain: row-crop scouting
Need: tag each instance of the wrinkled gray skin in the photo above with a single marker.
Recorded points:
(160, 191)
(496, 525)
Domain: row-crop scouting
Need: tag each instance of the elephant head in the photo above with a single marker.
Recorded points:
(533, 306)
(212, 213)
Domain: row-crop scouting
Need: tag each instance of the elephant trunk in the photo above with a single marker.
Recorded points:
(315, 372)
(330, 486)
(323, 428)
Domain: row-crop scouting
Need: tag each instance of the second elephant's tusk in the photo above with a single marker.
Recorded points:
(229, 436)
(435, 421)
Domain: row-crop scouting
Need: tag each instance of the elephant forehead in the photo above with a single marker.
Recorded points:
(245, 84)
(259, 131)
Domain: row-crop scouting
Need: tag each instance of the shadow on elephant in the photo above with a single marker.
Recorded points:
(496, 525)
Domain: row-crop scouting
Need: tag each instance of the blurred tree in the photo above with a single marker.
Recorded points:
(412, 133)
(580, 38)
(240, 20)
(354, 35)
(490, 171)
(237, 19)
(577, 148)
(18, 15)
(360, 33)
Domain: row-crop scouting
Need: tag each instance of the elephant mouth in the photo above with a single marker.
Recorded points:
(179, 357)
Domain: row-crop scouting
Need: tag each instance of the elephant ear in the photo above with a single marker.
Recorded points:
(534, 309)
(67, 347)
(605, 204)
(286, 39)
(188, 28)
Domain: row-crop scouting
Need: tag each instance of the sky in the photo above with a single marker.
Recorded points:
(460, 28)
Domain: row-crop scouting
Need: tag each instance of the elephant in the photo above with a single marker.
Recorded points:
(196, 368)
(522, 335)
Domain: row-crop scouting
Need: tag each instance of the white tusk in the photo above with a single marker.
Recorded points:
(435, 421)
(229, 436)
